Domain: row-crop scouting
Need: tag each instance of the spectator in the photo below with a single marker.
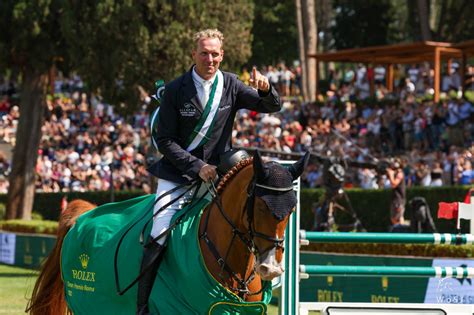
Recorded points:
(466, 174)
(436, 175)
(397, 183)
(423, 174)
(245, 75)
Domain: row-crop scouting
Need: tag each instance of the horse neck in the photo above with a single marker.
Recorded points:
(240, 260)
(234, 197)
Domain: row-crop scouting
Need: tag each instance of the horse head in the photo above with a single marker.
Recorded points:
(270, 203)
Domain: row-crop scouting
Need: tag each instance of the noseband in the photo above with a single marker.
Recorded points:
(250, 205)
(248, 237)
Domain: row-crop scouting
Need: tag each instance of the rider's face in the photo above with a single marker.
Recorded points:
(207, 56)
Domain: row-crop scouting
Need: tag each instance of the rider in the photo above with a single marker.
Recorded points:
(192, 129)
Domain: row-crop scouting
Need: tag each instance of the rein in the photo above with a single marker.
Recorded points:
(247, 237)
(188, 185)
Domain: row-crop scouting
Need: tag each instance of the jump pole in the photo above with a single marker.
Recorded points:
(294, 272)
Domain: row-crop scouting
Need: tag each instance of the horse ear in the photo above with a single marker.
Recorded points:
(297, 169)
(258, 167)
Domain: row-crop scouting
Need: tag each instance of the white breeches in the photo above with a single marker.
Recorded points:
(162, 221)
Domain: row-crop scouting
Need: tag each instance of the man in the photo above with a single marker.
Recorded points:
(397, 182)
(192, 129)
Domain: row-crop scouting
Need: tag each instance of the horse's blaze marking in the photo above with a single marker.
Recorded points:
(83, 275)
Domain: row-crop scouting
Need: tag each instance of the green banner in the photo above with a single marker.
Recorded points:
(31, 250)
(25, 250)
(363, 289)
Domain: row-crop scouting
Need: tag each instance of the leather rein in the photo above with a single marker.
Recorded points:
(246, 237)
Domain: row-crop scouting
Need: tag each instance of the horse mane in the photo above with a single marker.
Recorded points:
(47, 297)
(232, 172)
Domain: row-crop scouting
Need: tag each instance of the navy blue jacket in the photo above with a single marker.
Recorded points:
(180, 112)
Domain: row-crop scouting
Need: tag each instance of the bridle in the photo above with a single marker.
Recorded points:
(247, 237)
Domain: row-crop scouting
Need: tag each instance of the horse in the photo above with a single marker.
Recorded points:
(238, 237)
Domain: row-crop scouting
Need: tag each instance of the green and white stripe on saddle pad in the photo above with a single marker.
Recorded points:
(183, 284)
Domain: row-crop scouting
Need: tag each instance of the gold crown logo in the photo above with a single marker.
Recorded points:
(330, 280)
(84, 258)
(384, 283)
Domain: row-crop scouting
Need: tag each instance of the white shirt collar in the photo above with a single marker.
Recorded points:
(197, 78)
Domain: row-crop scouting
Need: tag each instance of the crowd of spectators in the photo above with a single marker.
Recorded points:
(353, 82)
(85, 143)
(435, 149)
(433, 140)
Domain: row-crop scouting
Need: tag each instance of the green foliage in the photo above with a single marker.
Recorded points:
(30, 35)
(116, 45)
(49, 204)
(275, 34)
(2, 211)
(362, 23)
(30, 226)
(36, 216)
(137, 44)
(469, 95)
(453, 22)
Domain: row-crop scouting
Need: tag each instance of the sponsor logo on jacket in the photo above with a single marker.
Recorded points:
(188, 110)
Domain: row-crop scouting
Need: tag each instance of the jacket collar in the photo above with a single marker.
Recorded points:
(190, 91)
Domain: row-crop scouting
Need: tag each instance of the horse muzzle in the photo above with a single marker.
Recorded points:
(269, 271)
(268, 267)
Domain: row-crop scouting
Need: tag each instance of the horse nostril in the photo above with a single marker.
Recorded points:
(263, 270)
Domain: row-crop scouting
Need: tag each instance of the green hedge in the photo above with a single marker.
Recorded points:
(371, 206)
(33, 226)
(48, 204)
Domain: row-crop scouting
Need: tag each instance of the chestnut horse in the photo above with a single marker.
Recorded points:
(240, 239)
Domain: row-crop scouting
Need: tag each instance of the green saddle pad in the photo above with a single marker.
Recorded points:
(183, 284)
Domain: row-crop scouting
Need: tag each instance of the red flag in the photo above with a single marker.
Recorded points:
(63, 203)
(467, 199)
(447, 210)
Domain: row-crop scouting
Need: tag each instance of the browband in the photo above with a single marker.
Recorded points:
(274, 188)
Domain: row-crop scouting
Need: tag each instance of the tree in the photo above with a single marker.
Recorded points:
(424, 17)
(302, 49)
(113, 45)
(274, 32)
(157, 46)
(362, 23)
(310, 45)
(453, 20)
(28, 45)
(440, 20)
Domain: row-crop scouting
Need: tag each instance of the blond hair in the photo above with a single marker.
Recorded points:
(209, 33)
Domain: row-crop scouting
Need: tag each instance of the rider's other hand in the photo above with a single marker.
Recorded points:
(208, 172)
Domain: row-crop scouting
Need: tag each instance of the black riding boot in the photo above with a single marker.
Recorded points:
(152, 256)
